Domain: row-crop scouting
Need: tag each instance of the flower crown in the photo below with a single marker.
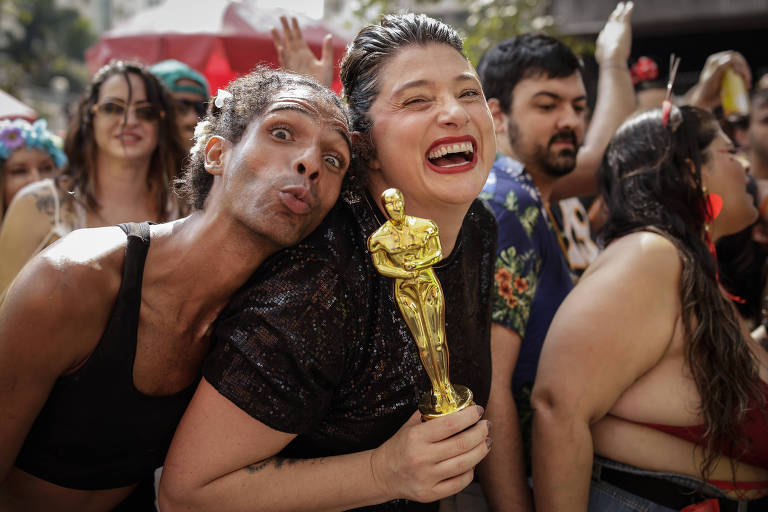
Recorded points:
(18, 133)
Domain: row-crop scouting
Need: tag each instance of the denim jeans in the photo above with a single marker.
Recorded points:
(604, 497)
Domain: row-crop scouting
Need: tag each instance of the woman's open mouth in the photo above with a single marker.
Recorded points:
(451, 155)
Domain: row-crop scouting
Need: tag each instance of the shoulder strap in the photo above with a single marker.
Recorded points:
(136, 250)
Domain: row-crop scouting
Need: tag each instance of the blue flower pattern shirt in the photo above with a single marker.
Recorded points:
(531, 276)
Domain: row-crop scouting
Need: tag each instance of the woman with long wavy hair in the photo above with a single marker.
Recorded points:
(648, 384)
(123, 150)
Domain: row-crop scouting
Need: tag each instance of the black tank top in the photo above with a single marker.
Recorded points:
(96, 430)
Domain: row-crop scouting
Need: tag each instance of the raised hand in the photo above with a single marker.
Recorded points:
(428, 461)
(615, 39)
(706, 93)
(294, 53)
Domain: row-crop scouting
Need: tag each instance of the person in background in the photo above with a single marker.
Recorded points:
(741, 260)
(758, 136)
(190, 90)
(294, 54)
(28, 153)
(648, 385)
(538, 101)
(309, 398)
(650, 89)
(742, 256)
(706, 92)
(122, 149)
(102, 335)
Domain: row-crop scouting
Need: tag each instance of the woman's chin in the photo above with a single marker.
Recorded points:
(461, 194)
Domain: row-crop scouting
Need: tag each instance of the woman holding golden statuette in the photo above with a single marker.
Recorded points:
(310, 395)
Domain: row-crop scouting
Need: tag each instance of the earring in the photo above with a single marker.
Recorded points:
(714, 205)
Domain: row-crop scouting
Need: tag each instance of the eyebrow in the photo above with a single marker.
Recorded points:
(558, 97)
(463, 77)
(290, 106)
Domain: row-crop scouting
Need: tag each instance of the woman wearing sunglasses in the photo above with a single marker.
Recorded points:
(123, 149)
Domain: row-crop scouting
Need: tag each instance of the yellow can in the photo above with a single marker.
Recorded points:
(733, 94)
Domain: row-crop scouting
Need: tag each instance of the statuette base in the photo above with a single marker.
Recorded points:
(427, 408)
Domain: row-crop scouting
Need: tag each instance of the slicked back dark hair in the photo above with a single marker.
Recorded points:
(524, 56)
(251, 95)
(373, 46)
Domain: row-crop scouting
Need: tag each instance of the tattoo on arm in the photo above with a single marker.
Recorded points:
(45, 204)
(278, 462)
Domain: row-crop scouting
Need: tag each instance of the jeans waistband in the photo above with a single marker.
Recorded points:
(670, 490)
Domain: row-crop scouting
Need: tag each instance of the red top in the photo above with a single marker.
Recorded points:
(754, 431)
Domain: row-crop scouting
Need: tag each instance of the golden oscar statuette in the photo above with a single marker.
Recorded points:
(405, 248)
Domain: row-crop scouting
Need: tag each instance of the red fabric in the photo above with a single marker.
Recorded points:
(666, 108)
(705, 506)
(754, 429)
(223, 39)
(644, 70)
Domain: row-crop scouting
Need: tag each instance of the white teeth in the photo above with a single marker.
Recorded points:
(442, 150)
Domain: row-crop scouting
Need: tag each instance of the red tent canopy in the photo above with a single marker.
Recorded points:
(222, 39)
(11, 108)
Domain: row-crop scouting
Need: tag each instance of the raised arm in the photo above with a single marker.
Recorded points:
(294, 54)
(223, 459)
(615, 102)
(612, 328)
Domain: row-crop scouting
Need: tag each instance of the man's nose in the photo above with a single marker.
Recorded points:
(309, 163)
(570, 118)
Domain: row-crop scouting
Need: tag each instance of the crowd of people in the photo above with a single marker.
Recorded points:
(225, 316)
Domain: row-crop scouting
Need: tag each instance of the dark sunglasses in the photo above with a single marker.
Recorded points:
(142, 113)
(200, 107)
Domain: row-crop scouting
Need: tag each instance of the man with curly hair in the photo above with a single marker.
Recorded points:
(102, 335)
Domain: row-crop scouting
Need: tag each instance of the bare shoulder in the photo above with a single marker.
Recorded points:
(636, 279)
(87, 250)
(643, 254)
(65, 294)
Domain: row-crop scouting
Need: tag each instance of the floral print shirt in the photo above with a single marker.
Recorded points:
(532, 276)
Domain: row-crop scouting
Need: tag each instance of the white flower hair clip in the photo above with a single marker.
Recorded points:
(221, 98)
(203, 132)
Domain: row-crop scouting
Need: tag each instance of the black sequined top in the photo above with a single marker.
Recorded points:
(315, 345)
